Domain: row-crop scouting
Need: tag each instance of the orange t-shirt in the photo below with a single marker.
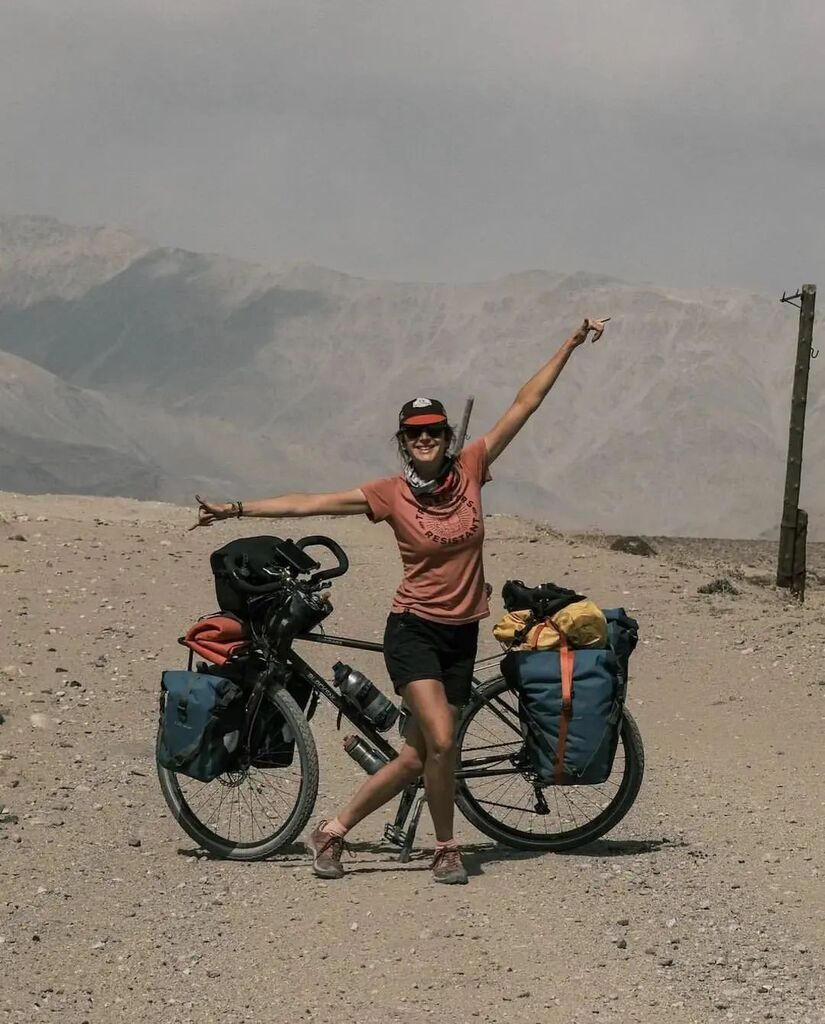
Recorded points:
(440, 541)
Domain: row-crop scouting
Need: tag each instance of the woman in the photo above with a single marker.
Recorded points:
(431, 637)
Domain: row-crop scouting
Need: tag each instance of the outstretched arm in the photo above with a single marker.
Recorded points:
(337, 503)
(534, 391)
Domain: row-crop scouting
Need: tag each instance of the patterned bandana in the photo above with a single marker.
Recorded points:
(445, 480)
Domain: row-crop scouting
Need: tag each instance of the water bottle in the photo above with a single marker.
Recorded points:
(366, 696)
(361, 751)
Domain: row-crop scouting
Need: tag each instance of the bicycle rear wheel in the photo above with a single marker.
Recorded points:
(501, 797)
(250, 814)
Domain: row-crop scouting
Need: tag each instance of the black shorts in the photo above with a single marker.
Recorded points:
(415, 648)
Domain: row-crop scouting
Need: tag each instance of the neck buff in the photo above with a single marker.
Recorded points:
(445, 480)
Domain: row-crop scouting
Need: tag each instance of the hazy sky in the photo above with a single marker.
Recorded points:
(442, 139)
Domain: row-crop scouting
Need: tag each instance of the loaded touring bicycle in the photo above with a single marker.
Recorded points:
(236, 757)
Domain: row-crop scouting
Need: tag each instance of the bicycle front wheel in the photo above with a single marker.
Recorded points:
(250, 814)
(498, 793)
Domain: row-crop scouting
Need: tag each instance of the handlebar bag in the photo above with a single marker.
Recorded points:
(201, 717)
(247, 556)
(570, 704)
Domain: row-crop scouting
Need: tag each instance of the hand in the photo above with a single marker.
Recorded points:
(209, 512)
(588, 326)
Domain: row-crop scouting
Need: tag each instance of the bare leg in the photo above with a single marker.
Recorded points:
(435, 720)
(389, 781)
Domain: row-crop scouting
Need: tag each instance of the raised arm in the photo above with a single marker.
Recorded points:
(535, 390)
(336, 503)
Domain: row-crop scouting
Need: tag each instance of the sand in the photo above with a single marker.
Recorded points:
(704, 904)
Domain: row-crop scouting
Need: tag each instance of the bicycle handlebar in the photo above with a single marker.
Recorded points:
(261, 589)
(332, 546)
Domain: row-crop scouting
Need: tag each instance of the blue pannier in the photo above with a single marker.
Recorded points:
(201, 718)
(570, 704)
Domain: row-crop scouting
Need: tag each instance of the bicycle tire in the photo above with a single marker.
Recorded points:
(630, 742)
(294, 822)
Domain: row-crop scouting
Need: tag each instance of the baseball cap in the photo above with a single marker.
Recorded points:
(421, 412)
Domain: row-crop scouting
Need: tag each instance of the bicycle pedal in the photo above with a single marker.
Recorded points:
(394, 835)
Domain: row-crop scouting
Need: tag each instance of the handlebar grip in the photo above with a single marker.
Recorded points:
(326, 542)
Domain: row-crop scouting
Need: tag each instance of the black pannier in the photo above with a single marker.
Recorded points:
(264, 732)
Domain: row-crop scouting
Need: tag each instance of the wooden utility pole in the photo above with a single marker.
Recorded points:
(793, 532)
(465, 422)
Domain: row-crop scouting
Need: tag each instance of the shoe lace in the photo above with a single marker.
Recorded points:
(451, 856)
(336, 846)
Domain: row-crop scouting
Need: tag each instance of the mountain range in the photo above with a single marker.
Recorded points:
(136, 370)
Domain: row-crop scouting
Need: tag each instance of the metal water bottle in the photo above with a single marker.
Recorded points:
(365, 695)
(365, 754)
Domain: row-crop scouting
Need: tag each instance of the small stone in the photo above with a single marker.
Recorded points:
(134, 841)
(633, 546)
(719, 586)
(40, 721)
(621, 944)
(18, 536)
(354, 926)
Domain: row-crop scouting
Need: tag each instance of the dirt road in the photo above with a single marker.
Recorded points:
(705, 904)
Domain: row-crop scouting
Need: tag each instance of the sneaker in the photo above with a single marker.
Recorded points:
(447, 866)
(326, 850)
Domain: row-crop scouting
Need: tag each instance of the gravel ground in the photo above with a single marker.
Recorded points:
(704, 904)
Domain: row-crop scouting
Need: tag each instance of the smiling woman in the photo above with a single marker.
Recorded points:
(431, 636)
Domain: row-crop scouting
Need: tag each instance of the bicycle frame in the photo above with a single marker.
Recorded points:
(401, 831)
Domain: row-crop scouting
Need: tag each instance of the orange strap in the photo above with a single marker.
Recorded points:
(567, 655)
(535, 633)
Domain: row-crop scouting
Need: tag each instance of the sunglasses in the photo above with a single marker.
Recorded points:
(435, 431)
